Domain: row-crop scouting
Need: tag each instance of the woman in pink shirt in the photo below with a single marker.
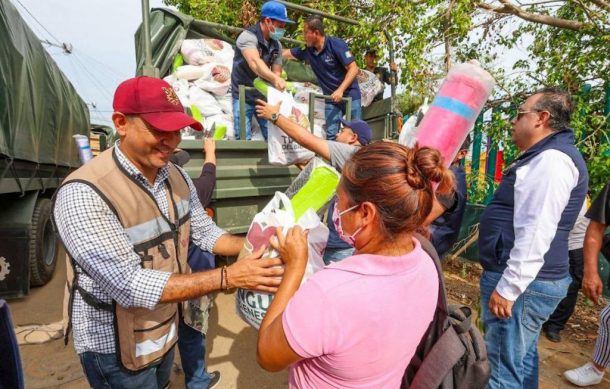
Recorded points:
(358, 322)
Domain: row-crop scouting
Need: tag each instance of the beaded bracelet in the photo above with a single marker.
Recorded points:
(226, 277)
(222, 274)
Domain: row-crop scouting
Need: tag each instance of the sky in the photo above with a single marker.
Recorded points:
(101, 33)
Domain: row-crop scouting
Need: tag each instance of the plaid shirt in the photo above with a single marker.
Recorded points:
(97, 241)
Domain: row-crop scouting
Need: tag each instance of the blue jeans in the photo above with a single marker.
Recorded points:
(191, 344)
(104, 371)
(334, 113)
(335, 255)
(512, 343)
(249, 112)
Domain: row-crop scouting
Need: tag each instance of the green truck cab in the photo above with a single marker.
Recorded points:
(40, 111)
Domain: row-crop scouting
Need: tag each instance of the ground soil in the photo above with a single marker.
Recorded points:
(232, 343)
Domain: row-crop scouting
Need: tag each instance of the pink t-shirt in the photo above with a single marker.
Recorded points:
(358, 322)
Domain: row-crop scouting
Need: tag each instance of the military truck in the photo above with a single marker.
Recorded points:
(40, 111)
(245, 178)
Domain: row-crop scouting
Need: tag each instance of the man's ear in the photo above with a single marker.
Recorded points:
(545, 117)
(120, 123)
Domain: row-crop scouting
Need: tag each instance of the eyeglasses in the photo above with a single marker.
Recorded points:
(520, 114)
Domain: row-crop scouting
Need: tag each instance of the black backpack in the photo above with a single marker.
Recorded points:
(452, 353)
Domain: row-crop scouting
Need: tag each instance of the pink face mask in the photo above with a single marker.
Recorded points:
(349, 239)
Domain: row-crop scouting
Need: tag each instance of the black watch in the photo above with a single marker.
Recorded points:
(274, 117)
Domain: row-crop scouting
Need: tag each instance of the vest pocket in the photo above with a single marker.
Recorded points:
(154, 336)
(145, 336)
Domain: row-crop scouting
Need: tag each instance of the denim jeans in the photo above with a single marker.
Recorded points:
(249, 112)
(334, 113)
(104, 371)
(335, 255)
(191, 344)
(512, 343)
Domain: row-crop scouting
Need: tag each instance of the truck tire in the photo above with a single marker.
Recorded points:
(43, 244)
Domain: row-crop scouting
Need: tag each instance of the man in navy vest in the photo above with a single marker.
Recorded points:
(258, 54)
(523, 237)
(335, 68)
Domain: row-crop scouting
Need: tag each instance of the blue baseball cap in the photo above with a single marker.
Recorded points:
(276, 11)
(360, 128)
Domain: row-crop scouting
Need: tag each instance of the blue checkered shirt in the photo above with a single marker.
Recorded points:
(95, 238)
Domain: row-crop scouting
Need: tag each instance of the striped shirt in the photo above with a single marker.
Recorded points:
(95, 238)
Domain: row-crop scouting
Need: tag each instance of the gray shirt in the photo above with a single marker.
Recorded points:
(340, 153)
(248, 40)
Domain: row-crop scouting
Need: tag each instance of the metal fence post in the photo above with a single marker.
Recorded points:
(476, 153)
(242, 112)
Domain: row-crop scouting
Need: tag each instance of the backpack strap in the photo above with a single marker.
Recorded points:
(427, 246)
(445, 354)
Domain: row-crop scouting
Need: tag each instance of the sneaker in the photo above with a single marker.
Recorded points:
(214, 379)
(584, 376)
(553, 336)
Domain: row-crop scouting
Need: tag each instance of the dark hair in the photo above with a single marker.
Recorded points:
(315, 23)
(466, 144)
(398, 180)
(558, 103)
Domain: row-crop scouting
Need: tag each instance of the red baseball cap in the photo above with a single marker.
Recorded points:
(155, 101)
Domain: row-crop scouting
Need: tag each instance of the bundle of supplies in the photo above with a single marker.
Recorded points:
(309, 193)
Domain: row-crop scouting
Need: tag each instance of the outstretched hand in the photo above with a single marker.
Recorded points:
(265, 110)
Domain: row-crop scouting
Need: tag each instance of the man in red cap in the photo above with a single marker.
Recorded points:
(126, 219)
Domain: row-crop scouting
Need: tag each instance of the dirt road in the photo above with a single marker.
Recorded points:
(231, 348)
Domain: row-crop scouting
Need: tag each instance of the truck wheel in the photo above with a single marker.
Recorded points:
(43, 244)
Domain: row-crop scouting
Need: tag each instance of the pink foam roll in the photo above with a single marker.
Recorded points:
(444, 131)
(467, 90)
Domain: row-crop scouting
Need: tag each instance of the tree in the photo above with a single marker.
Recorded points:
(561, 43)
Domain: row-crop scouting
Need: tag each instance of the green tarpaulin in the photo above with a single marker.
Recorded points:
(168, 28)
(39, 108)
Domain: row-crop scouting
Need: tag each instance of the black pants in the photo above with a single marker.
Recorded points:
(564, 310)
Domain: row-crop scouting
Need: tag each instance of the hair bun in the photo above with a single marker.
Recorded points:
(430, 163)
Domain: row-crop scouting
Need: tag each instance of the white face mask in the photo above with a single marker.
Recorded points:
(349, 239)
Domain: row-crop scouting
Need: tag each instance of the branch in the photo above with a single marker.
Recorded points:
(589, 16)
(511, 9)
(602, 4)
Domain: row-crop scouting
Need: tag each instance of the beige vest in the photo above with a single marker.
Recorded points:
(143, 336)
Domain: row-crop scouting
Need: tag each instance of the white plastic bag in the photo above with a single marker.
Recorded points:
(369, 86)
(189, 72)
(226, 103)
(251, 306)
(302, 96)
(409, 128)
(202, 51)
(283, 150)
(216, 79)
(205, 102)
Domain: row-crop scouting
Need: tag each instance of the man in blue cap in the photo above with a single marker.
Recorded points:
(334, 67)
(258, 54)
(349, 139)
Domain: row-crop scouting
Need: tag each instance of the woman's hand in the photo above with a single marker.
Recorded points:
(292, 247)
(209, 149)
(265, 110)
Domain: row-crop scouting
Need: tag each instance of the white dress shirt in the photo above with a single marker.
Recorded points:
(542, 191)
